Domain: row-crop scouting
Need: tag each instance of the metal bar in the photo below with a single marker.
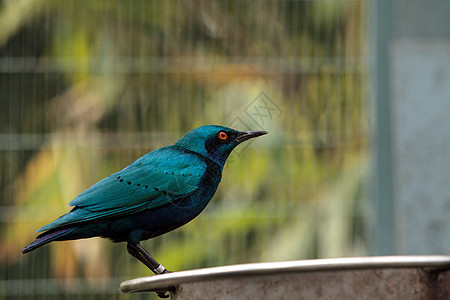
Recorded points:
(384, 238)
(168, 281)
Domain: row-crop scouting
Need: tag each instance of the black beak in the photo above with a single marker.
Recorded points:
(246, 135)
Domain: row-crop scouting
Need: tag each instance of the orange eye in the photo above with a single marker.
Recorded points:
(223, 136)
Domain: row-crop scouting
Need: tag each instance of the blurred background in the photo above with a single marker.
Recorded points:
(354, 94)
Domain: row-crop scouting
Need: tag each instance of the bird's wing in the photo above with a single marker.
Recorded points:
(153, 180)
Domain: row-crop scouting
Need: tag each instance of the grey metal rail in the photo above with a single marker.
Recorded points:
(173, 280)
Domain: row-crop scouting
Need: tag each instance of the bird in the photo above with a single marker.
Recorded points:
(157, 193)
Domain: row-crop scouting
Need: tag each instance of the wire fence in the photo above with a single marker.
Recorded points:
(86, 87)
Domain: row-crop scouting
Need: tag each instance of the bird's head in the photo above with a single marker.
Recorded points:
(215, 142)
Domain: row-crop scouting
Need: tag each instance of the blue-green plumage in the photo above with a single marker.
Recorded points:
(159, 192)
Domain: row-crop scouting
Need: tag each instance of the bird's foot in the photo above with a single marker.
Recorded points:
(162, 294)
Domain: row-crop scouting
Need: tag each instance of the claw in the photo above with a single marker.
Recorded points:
(162, 294)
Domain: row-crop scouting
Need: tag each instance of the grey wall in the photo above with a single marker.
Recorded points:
(411, 64)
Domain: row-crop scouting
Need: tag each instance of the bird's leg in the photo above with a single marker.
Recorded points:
(133, 252)
(137, 251)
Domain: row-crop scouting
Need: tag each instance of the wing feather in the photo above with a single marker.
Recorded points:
(154, 180)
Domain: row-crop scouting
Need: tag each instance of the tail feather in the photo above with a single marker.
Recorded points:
(46, 238)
